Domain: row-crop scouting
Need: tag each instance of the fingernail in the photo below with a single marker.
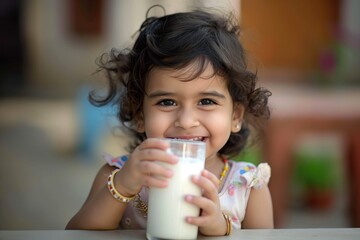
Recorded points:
(196, 178)
(188, 198)
(169, 173)
(175, 158)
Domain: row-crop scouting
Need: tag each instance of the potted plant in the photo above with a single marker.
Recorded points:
(316, 176)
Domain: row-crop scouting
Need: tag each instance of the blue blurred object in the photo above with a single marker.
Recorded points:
(95, 123)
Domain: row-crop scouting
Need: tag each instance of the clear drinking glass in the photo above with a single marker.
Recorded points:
(167, 207)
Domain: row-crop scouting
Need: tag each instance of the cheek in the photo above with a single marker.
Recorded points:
(219, 123)
(156, 125)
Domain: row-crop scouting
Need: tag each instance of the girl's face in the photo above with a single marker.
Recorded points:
(200, 109)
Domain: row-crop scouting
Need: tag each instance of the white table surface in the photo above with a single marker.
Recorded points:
(278, 234)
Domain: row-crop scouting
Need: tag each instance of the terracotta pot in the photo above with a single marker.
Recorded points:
(320, 198)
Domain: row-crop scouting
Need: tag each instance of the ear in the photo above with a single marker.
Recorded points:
(237, 118)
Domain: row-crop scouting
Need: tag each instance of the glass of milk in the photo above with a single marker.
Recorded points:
(167, 206)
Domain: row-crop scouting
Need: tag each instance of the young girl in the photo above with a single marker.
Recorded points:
(185, 77)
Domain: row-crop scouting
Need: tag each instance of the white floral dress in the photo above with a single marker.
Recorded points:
(234, 194)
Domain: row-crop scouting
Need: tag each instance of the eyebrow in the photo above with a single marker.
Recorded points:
(213, 94)
(159, 94)
(163, 94)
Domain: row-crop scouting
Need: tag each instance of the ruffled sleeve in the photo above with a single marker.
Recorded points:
(115, 161)
(255, 177)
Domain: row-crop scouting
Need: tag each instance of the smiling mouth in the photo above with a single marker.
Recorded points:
(201, 139)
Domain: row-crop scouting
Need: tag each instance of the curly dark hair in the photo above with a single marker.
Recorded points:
(176, 41)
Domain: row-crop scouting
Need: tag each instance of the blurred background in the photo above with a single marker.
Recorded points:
(307, 52)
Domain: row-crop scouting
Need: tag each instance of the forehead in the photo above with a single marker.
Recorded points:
(189, 75)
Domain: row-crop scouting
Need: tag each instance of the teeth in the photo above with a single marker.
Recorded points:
(193, 139)
(196, 139)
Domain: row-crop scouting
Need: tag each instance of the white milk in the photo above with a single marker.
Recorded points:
(167, 206)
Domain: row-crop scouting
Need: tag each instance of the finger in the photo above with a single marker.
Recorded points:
(154, 150)
(198, 221)
(151, 181)
(201, 221)
(153, 154)
(203, 203)
(211, 177)
(155, 169)
(154, 143)
(210, 190)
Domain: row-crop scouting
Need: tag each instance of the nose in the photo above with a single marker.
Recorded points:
(187, 117)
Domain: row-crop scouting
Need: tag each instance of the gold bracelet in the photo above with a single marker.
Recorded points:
(114, 192)
(228, 224)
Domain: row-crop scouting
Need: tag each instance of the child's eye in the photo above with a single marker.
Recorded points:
(207, 101)
(166, 102)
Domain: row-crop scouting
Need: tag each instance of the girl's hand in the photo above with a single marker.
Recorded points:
(211, 220)
(142, 169)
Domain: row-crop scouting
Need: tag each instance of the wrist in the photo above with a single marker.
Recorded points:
(217, 228)
(124, 198)
(124, 184)
(228, 229)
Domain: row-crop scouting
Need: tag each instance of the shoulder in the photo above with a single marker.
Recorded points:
(255, 178)
(252, 175)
